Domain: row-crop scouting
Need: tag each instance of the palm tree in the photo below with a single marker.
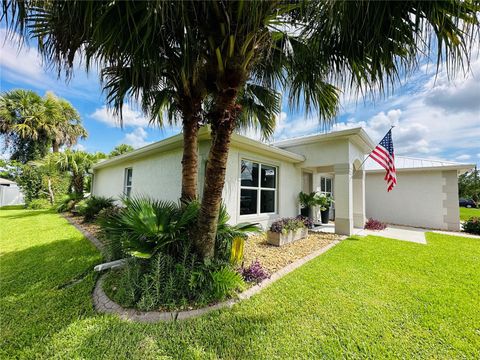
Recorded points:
(24, 124)
(304, 48)
(67, 125)
(121, 149)
(30, 121)
(78, 163)
(246, 41)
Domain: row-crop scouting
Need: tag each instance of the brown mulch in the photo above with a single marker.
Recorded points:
(274, 258)
(92, 228)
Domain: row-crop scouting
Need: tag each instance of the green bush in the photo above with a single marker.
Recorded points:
(30, 182)
(37, 204)
(67, 202)
(164, 271)
(164, 283)
(472, 225)
(91, 207)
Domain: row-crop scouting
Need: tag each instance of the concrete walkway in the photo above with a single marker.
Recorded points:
(403, 233)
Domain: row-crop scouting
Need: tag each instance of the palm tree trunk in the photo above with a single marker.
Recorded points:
(223, 124)
(190, 159)
(77, 183)
(55, 147)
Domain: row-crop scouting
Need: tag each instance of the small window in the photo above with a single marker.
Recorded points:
(258, 188)
(326, 185)
(127, 187)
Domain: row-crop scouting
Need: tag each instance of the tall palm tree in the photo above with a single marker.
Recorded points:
(385, 40)
(304, 48)
(26, 119)
(25, 124)
(67, 125)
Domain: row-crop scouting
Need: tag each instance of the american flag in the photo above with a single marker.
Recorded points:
(384, 155)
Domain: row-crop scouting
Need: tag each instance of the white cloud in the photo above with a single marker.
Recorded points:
(19, 62)
(79, 147)
(23, 65)
(137, 138)
(463, 157)
(131, 117)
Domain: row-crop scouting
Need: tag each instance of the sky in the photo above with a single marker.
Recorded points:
(435, 116)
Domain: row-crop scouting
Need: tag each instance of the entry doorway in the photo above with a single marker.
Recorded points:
(326, 187)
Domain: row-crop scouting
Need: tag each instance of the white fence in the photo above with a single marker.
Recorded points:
(10, 195)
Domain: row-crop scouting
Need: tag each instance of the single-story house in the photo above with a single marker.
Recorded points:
(263, 181)
(10, 193)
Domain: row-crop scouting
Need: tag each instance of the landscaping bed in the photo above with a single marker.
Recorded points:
(274, 258)
(92, 228)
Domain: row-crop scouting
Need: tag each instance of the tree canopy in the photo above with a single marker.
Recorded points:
(32, 124)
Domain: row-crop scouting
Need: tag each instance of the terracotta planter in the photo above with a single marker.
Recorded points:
(279, 239)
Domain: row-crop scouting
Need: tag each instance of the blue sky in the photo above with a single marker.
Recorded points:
(435, 117)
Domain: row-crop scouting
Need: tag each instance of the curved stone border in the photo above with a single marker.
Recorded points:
(103, 304)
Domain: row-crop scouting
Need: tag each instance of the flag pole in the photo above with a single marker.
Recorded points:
(363, 162)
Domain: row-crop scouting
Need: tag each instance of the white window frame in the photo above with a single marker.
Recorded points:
(324, 178)
(126, 186)
(259, 189)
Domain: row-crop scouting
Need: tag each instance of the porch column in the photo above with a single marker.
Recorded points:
(343, 199)
(359, 198)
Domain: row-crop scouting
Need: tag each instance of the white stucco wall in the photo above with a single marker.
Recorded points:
(422, 198)
(158, 176)
(288, 186)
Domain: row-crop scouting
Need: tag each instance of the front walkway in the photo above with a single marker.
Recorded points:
(404, 233)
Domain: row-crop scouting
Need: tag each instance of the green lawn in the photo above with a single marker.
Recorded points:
(466, 213)
(365, 298)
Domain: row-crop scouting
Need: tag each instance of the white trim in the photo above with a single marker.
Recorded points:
(125, 181)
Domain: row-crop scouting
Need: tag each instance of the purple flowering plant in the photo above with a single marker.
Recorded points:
(254, 273)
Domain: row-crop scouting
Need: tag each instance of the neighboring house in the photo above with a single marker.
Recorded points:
(10, 193)
(263, 181)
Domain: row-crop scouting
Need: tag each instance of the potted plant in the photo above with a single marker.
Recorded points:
(324, 202)
(287, 230)
(307, 202)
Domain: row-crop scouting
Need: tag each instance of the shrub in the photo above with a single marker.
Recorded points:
(165, 271)
(93, 206)
(472, 225)
(287, 224)
(169, 284)
(37, 204)
(373, 224)
(145, 226)
(30, 182)
(254, 273)
(306, 221)
(67, 202)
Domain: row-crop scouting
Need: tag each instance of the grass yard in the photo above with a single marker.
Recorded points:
(366, 298)
(466, 213)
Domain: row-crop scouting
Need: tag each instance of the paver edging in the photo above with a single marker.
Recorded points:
(97, 243)
(103, 304)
